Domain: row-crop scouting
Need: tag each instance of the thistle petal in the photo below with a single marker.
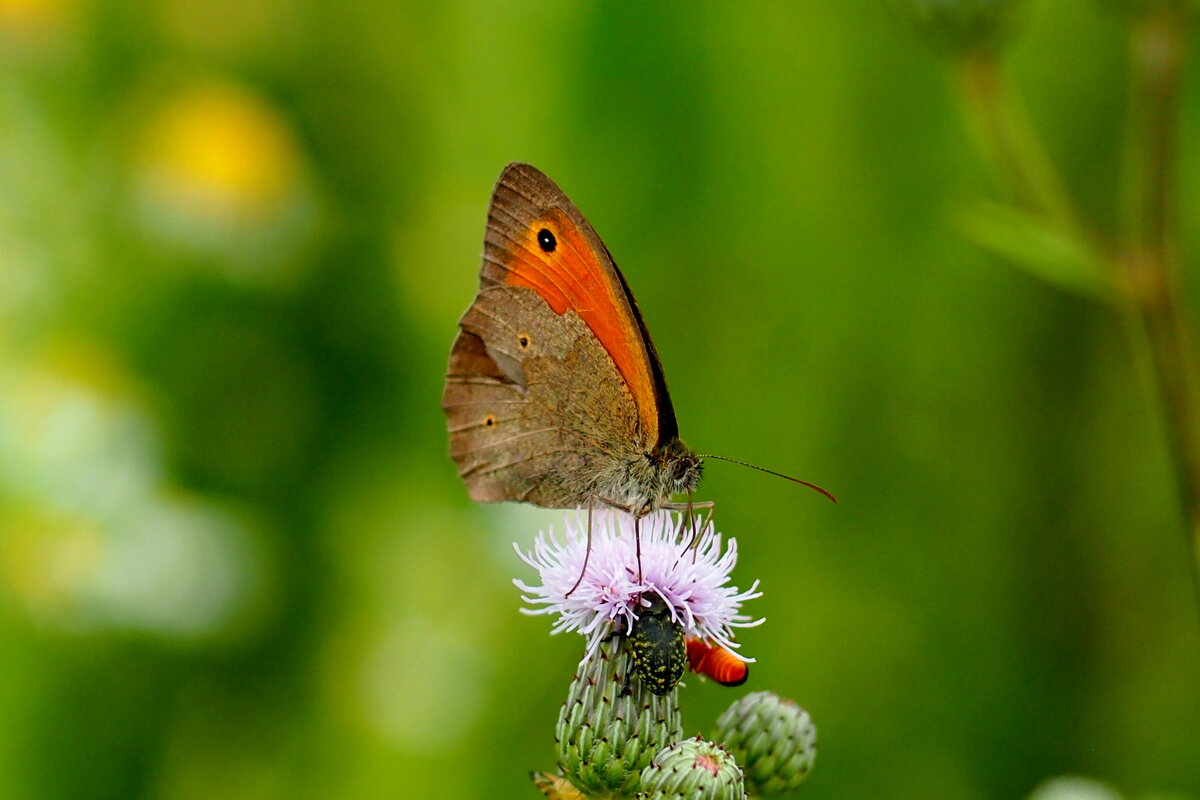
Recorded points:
(610, 597)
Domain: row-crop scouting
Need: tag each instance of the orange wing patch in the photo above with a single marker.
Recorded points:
(552, 256)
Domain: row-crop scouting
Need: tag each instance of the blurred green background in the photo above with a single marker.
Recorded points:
(235, 238)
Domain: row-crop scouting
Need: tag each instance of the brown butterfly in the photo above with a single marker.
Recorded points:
(554, 393)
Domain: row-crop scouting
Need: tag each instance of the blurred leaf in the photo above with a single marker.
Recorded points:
(1035, 245)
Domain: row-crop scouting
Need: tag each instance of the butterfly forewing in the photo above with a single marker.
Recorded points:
(536, 237)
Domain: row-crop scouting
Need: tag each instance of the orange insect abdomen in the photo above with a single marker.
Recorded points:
(715, 662)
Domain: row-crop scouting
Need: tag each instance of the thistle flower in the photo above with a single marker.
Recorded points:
(693, 583)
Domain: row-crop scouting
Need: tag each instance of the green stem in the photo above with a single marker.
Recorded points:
(1150, 255)
(1145, 266)
(1008, 141)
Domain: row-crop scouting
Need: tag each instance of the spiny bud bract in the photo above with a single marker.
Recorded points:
(691, 769)
(773, 739)
(612, 725)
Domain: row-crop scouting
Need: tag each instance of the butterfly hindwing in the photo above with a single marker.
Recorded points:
(523, 426)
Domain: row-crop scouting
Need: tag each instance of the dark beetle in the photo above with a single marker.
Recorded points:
(658, 647)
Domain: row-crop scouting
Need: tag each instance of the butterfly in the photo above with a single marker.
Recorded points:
(554, 393)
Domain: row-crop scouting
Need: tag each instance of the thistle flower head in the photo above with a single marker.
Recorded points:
(694, 583)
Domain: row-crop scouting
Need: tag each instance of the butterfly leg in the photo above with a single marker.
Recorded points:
(690, 507)
(695, 527)
(587, 553)
(637, 543)
(686, 520)
(637, 529)
(708, 506)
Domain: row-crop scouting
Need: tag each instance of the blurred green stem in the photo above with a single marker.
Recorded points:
(1144, 268)
(1149, 266)
(1007, 139)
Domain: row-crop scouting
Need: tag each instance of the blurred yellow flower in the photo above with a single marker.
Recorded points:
(32, 19)
(218, 154)
(45, 556)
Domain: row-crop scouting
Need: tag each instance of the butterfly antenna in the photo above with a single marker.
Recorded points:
(812, 486)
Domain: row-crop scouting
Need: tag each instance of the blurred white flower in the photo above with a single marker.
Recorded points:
(1073, 787)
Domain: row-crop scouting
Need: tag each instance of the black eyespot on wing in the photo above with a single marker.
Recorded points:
(546, 240)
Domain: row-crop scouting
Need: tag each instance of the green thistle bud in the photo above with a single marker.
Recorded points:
(612, 725)
(658, 648)
(773, 739)
(693, 769)
(959, 26)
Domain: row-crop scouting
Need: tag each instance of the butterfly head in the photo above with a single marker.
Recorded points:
(678, 467)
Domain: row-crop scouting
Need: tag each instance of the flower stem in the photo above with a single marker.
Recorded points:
(1150, 259)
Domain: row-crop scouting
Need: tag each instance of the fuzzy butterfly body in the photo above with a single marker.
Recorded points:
(554, 393)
